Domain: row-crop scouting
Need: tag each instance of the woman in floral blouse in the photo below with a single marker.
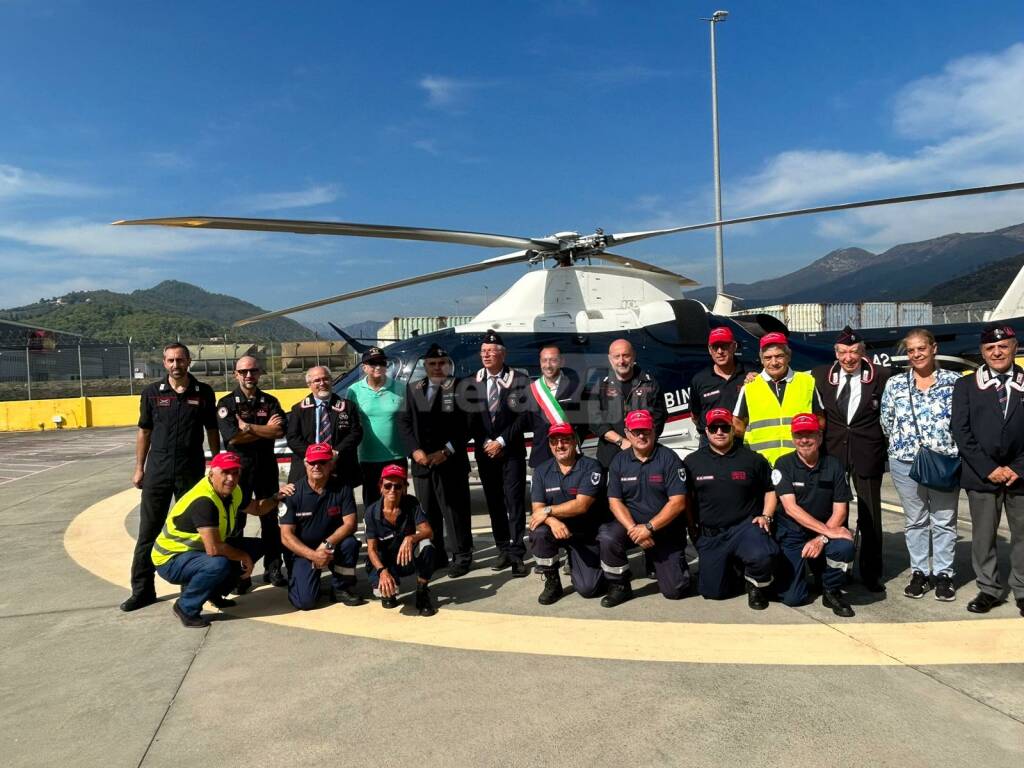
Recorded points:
(930, 514)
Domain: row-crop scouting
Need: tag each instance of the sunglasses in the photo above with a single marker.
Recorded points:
(317, 463)
(248, 371)
(392, 486)
(719, 427)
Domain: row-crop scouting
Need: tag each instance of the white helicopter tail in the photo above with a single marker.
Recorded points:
(1012, 303)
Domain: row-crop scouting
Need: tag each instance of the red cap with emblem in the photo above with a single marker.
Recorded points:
(560, 429)
(319, 452)
(720, 336)
(639, 420)
(393, 470)
(226, 460)
(773, 338)
(718, 416)
(804, 422)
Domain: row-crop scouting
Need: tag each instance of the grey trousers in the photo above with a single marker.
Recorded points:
(986, 510)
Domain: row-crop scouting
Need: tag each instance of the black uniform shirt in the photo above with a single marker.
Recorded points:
(728, 488)
(317, 515)
(815, 488)
(410, 514)
(258, 460)
(645, 486)
(709, 390)
(177, 422)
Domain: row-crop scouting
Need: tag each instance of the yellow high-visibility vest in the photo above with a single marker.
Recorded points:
(768, 430)
(173, 541)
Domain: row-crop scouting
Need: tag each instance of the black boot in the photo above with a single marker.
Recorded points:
(618, 593)
(757, 599)
(423, 602)
(833, 598)
(552, 591)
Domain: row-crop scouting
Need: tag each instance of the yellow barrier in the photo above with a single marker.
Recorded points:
(79, 412)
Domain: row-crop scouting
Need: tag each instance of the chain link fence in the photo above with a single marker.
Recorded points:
(973, 312)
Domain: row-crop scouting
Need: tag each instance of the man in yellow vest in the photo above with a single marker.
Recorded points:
(193, 549)
(768, 403)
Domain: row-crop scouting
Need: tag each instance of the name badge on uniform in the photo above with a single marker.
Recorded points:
(659, 479)
(739, 475)
(193, 401)
(333, 511)
(163, 402)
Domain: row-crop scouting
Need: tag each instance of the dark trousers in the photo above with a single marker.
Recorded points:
(202, 576)
(157, 491)
(504, 482)
(370, 472)
(869, 525)
(667, 555)
(444, 496)
(584, 556)
(722, 549)
(270, 532)
(387, 550)
(986, 509)
(304, 579)
(833, 563)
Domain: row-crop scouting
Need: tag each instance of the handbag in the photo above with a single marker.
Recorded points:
(931, 468)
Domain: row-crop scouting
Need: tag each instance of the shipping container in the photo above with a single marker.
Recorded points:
(805, 317)
(915, 313)
(879, 314)
(838, 316)
(811, 317)
(401, 328)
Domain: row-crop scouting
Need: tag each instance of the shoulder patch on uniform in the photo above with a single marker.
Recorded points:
(222, 412)
(682, 474)
(282, 509)
(595, 478)
(776, 477)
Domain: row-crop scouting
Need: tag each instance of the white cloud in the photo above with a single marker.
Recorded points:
(427, 145)
(16, 183)
(445, 92)
(272, 201)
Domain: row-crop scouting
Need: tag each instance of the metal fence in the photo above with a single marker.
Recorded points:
(963, 313)
(89, 369)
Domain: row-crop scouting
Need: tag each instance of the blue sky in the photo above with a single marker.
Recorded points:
(522, 118)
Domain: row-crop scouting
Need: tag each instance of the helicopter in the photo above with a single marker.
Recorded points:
(582, 307)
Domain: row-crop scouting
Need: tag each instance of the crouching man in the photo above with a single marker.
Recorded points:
(318, 523)
(398, 542)
(193, 548)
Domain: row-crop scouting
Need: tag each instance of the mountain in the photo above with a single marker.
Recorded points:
(986, 284)
(170, 310)
(902, 273)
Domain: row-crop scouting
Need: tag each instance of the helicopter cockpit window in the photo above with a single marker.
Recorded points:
(347, 380)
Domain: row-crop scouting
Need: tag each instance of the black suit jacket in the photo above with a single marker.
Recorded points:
(511, 420)
(430, 426)
(568, 395)
(861, 444)
(986, 440)
(346, 432)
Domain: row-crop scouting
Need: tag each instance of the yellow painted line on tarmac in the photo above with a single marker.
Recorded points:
(98, 541)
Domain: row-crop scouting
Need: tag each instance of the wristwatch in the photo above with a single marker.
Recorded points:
(824, 539)
(547, 511)
(649, 527)
(328, 546)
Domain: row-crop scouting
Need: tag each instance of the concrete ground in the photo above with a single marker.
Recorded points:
(905, 683)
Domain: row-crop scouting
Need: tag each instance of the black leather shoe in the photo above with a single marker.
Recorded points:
(618, 593)
(192, 622)
(552, 591)
(136, 601)
(459, 569)
(874, 585)
(520, 569)
(243, 586)
(424, 604)
(221, 602)
(833, 598)
(1020, 605)
(274, 576)
(390, 602)
(346, 596)
(757, 599)
(983, 603)
(503, 562)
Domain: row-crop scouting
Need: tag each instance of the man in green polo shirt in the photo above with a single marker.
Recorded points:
(378, 398)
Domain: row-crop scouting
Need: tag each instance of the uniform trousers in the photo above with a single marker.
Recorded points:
(444, 496)
(203, 576)
(583, 551)
(270, 531)
(304, 579)
(157, 490)
(722, 550)
(833, 563)
(986, 509)
(670, 567)
(504, 482)
(869, 525)
(387, 550)
(930, 519)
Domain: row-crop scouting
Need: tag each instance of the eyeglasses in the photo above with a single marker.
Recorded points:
(392, 486)
(376, 365)
(248, 371)
(321, 380)
(317, 463)
(719, 427)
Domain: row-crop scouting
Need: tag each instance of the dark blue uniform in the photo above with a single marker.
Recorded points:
(551, 487)
(728, 493)
(389, 538)
(816, 489)
(709, 390)
(315, 517)
(645, 487)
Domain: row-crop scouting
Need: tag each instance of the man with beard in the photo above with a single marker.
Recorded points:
(323, 417)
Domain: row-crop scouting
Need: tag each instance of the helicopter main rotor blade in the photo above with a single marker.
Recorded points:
(631, 237)
(350, 229)
(642, 265)
(497, 261)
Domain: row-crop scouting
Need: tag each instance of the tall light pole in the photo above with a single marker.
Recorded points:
(716, 18)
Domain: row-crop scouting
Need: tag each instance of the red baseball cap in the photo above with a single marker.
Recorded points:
(319, 452)
(773, 338)
(718, 416)
(720, 335)
(639, 420)
(804, 422)
(226, 460)
(560, 429)
(393, 470)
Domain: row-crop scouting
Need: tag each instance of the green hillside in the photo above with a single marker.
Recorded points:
(169, 310)
(985, 284)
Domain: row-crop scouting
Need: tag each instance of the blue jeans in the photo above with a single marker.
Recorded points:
(202, 576)
(929, 519)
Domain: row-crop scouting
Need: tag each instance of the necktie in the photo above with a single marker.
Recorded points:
(323, 423)
(493, 395)
(1001, 390)
(843, 399)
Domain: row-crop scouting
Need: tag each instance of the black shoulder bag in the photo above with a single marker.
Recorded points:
(930, 468)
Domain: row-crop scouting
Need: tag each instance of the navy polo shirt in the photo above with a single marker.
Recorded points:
(645, 486)
(410, 514)
(728, 488)
(815, 488)
(317, 515)
(586, 477)
(709, 390)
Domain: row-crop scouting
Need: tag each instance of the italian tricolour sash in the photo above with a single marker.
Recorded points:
(549, 406)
